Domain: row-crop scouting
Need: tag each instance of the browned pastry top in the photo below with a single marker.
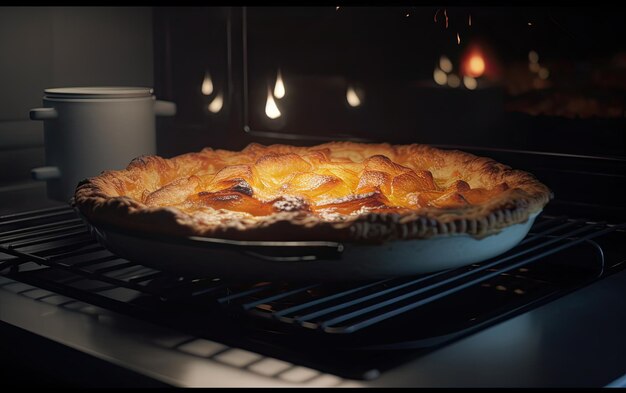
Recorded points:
(335, 191)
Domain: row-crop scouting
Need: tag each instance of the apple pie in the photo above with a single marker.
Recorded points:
(337, 191)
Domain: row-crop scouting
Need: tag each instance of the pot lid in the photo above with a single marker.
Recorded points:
(99, 92)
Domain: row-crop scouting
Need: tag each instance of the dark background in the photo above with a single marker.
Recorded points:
(390, 58)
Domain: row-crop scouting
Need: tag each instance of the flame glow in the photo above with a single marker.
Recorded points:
(479, 61)
(440, 77)
(445, 64)
(458, 39)
(216, 105)
(470, 83)
(352, 97)
(543, 73)
(207, 84)
(279, 88)
(475, 65)
(533, 57)
(271, 110)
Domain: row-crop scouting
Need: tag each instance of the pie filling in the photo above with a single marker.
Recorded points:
(354, 192)
(319, 182)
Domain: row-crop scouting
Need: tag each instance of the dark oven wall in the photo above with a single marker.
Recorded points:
(548, 96)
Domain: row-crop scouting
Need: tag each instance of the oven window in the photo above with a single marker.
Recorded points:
(506, 77)
(541, 79)
(191, 69)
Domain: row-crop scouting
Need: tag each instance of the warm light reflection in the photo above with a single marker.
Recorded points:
(470, 83)
(271, 110)
(534, 67)
(538, 83)
(279, 88)
(207, 84)
(543, 73)
(352, 97)
(218, 102)
(440, 77)
(475, 65)
(533, 56)
(454, 80)
(445, 64)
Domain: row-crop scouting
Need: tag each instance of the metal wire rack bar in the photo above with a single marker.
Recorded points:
(48, 238)
(486, 271)
(327, 325)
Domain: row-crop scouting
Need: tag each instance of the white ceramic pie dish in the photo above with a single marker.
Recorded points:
(317, 261)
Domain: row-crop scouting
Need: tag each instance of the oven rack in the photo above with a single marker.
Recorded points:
(53, 249)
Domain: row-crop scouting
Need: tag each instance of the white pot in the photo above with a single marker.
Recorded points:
(91, 129)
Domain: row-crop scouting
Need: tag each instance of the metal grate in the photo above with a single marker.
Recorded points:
(351, 308)
(51, 248)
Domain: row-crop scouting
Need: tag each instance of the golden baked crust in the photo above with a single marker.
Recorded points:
(339, 191)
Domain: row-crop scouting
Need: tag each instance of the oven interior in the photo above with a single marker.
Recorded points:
(304, 75)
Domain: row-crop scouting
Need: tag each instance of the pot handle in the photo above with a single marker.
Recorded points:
(43, 113)
(164, 108)
(45, 173)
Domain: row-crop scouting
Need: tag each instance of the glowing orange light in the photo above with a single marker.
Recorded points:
(475, 65)
(479, 61)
